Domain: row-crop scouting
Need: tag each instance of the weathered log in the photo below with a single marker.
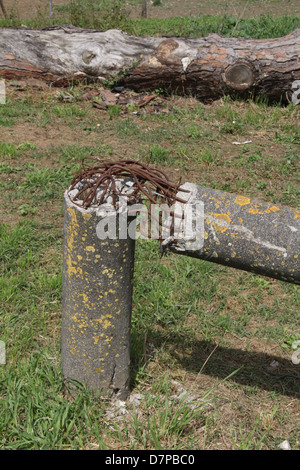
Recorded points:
(206, 67)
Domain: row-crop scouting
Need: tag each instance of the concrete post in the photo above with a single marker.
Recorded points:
(97, 298)
(240, 232)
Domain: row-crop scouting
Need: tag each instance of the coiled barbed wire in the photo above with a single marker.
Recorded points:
(95, 184)
(148, 181)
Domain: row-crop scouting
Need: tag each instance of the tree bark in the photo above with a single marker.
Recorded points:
(144, 9)
(3, 8)
(207, 68)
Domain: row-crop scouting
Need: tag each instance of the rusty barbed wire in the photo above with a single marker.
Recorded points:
(96, 183)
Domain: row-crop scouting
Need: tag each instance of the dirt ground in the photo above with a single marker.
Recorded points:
(238, 8)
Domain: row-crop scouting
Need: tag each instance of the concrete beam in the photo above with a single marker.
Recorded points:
(241, 232)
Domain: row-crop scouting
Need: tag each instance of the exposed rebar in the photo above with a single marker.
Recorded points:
(95, 184)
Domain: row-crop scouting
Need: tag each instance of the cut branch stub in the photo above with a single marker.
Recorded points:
(88, 56)
(239, 76)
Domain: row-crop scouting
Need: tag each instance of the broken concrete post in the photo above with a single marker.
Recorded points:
(97, 299)
(240, 232)
(101, 207)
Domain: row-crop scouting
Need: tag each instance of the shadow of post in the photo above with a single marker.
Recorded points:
(253, 368)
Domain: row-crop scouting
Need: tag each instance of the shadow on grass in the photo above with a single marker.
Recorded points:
(254, 368)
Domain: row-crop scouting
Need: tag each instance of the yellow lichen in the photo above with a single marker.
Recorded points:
(242, 200)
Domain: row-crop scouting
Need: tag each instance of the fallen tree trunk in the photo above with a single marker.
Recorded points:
(206, 67)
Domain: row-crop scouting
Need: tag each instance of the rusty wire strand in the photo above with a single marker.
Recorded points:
(149, 183)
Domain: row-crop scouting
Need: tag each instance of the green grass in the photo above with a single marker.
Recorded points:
(159, 155)
(6, 122)
(68, 111)
(107, 14)
(260, 27)
(39, 412)
(176, 420)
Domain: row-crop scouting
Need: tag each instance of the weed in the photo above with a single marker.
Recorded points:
(261, 185)
(207, 156)
(159, 155)
(68, 111)
(39, 410)
(99, 14)
(255, 157)
(289, 162)
(26, 209)
(6, 122)
(194, 131)
(127, 127)
(114, 111)
(248, 442)
(75, 153)
(290, 194)
(7, 149)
